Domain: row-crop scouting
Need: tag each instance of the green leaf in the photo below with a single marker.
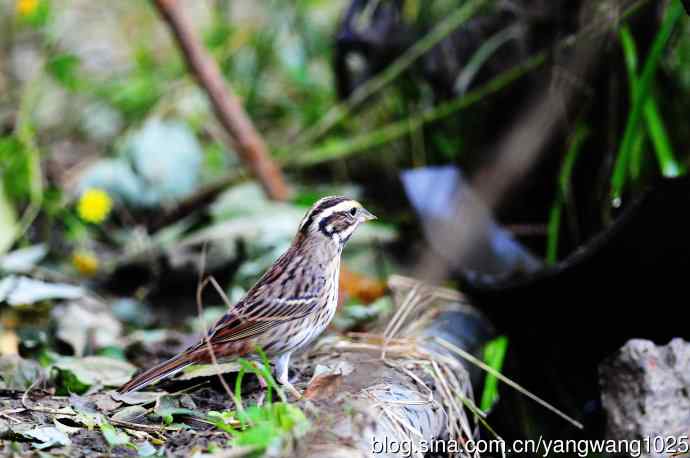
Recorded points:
(8, 222)
(15, 174)
(68, 382)
(169, 406)
(261, 427)
(112, 435)
(64, 68)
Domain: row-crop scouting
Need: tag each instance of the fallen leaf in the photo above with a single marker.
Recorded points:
(136, 397)
(131, 413)
(64, 428)
(323, 387)
(360, 287)
(145, 449)
(104, 402)
(84, 322)
(93, 370)
(9, 342)
(208, 370)
(46, 436)
(20, 290)
(24, 259)
(18, 373)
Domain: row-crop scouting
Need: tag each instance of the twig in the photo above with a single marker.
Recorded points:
(249, 144)
(6, 414)
(199, 305)
(139, 427)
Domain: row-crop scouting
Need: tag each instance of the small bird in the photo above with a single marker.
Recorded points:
(290, 305)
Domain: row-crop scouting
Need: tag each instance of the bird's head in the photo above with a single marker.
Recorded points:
(335, 218)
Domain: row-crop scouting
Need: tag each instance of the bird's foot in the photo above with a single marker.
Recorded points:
(292, 390)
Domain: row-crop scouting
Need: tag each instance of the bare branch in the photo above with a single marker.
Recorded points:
(247, 141)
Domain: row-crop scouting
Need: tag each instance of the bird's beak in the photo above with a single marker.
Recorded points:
(365, 215)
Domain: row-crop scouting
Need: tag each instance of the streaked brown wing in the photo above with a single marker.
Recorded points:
(277, 297)
(235, 325)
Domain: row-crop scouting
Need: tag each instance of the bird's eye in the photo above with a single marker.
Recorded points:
(353, 212)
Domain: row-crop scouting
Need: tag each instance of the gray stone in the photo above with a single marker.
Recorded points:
(645, 392)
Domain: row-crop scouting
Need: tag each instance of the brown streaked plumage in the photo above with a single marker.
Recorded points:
(292, 303)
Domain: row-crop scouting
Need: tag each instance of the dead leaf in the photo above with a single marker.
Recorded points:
(136, 397)
(360, 287)
(93, 370)
(23, 259)
(131, 414)
(9, 342)
(104, 402)
(20, 290)
(323, 387)
(86, 321)
(44, 436)
(208, 370)
(18, 373)
(65, 428)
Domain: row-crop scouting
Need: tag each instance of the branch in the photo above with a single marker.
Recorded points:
(248, 143)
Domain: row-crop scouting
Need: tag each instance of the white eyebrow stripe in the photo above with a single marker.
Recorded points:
(342, 206)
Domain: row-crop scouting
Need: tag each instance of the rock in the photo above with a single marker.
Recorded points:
(645, 391)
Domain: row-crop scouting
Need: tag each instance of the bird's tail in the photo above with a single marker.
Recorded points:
(156, 373)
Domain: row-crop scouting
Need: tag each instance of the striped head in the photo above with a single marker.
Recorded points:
(335, 218)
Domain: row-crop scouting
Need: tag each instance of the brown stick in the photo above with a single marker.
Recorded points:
(226, 104)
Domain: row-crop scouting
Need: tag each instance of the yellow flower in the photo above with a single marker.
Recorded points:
(26, 7)
(85, 262)
(94, 205)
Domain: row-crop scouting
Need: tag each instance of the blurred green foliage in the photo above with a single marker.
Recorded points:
(16, 168)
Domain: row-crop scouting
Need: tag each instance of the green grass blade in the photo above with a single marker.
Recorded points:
(336, 149)
(553, 229)
(238, 388)
(631, 64)
(642, 90)
(494, 354)
(662, 145)
(564, 178)
(362, 93)
(655, 125)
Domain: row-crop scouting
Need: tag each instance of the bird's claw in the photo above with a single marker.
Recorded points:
(292, 390)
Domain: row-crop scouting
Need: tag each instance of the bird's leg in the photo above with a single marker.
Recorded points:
(282, 364)
(262, 381)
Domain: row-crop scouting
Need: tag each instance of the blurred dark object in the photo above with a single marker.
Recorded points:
(644, 391)
(629, 281)
(618, 280)
(373, 34)
(466, 329)
(434, 193)
(686, 4)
